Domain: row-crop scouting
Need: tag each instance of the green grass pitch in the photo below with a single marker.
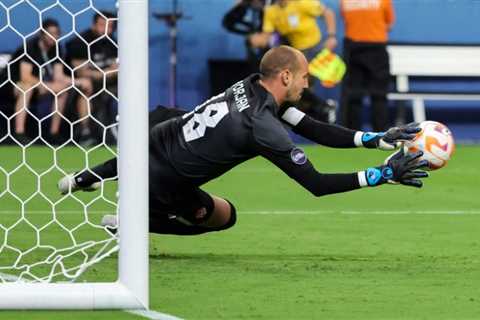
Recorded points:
(390, 252)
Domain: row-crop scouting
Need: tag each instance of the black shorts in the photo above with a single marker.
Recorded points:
(183, 202)
(172, 194)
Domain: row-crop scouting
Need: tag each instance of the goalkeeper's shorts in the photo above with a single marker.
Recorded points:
(180, 201)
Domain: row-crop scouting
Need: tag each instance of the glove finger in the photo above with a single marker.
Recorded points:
(422, 164)
(394, 156)
(412, 182)
(413, 156)
(384, 145)
(411, 130)
(421, 174)
(412, 124)
(415, 174)
(406, 136)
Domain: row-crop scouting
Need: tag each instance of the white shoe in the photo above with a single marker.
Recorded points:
(68, 184)
(110, 222)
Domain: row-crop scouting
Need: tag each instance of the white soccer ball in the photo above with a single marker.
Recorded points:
(436, 141)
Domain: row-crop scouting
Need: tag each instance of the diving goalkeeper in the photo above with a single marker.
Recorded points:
(247, 120)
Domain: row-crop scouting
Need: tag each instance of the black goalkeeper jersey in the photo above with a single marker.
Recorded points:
(237, 125)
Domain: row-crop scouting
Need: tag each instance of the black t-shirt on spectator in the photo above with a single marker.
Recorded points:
(103, 52)
(36, 57)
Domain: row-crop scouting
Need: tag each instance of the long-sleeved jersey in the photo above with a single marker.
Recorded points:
(237, 125)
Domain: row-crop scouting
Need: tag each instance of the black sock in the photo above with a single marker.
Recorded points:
(106, 170)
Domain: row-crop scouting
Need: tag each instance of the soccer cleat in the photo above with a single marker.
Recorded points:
(68, 183)
(109, 221)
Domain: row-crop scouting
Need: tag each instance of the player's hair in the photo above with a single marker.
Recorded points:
(277, 59)
(47, 23)
(103, 15)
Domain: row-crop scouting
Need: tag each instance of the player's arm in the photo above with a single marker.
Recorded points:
(271, 141)
(261, 39)
(389, 14)
(340, 137)
(234, 22)
(401, 169)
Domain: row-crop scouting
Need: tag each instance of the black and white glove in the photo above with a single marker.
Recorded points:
(398, 168)
(390, 139)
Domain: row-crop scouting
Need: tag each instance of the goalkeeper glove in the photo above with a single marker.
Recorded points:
(399, 168)
(390, 139)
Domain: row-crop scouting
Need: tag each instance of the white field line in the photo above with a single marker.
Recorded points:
(267, 169)
(359, 212)
(154, 315)
(275, 212)
(39, 212)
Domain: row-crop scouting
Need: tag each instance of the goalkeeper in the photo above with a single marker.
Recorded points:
(247, 120)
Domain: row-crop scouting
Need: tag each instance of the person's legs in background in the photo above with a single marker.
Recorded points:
(377, 62)
(379, 112)
(351, 98)
(22, 103)
(351, 109)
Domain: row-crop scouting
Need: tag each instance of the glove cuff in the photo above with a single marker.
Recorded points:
(375, 176)
(357, 139)
(371, 139)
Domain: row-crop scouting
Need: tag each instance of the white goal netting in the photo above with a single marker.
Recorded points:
(57, 116)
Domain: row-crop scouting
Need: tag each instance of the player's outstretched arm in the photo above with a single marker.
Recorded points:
(340, 137)
(329, 135)
(400, 168)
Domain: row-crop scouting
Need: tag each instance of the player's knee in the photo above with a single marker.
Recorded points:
(202, 214)
(217, 219)
(231, 220)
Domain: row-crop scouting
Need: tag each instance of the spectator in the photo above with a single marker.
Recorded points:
(246, 18)
(26, 73)
(94, 55)
(367, 24)
(296, 21)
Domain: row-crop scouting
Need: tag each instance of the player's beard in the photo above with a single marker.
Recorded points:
(292, 97)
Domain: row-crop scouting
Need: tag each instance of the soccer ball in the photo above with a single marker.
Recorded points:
(436, 142)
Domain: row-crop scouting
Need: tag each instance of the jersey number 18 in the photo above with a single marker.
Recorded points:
(200, 119)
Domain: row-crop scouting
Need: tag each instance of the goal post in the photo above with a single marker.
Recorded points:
(133, 97)
(130, 291)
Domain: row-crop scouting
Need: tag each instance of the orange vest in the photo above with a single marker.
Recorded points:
(367, 20)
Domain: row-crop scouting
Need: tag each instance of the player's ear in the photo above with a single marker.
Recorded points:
(286, 77)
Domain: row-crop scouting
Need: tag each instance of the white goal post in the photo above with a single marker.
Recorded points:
(130, 291)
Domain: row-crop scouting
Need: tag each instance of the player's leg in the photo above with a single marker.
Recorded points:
(379, 74)
(88, 180)
(83, 108)
(195, 213)
(58, 106)
(21, 104)
(202, 220)
(352, 88)
(379, 112)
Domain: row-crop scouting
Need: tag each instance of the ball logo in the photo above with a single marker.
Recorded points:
(298, 156)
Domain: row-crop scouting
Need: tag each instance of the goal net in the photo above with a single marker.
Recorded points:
(58, 115)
